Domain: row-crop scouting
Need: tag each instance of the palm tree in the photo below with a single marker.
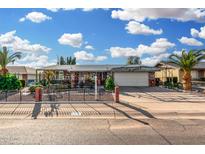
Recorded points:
(5, 59)
(186, 61)
(49, 75)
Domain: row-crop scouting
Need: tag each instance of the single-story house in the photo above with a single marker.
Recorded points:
(27, 74)
(124, 75)
(169, 71)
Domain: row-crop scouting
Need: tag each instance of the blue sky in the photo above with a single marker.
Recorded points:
(114, 34)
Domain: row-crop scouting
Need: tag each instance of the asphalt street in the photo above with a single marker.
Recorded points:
(102, 131)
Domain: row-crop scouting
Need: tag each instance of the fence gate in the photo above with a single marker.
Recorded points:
(75, 95)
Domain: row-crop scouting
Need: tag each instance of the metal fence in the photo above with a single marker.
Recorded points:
(16, 96)
(76, 94)
(65, 95)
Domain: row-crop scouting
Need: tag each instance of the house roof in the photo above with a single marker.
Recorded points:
(21, 70)
(166, 65)
(81, 68)
(134, 68)
(200, 65)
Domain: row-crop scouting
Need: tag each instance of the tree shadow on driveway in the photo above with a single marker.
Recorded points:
(125, 114)
(144, 112)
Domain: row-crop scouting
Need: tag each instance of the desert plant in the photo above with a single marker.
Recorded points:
(186, 61)
(9, 82)
(49, 75)
(109, 83)
(5, 59)
(23, 83)
(33, 88)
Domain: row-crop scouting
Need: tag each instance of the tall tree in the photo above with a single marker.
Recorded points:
(66, 61)
(186, 61)
(69, 60)
(73, 61)
(136, 60)
(133, 60)
(5, 59)
(129, 60)
(62, 61)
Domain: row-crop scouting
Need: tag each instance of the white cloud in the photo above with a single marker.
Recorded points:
(9, 39)
(160, 46)
(190, 41)
(53, 9)
(35, 60)
(177, 52)
(74, 40)
(134, 27)
(122, 52)
(88, 9)
(140, 14)
(89, 47)
(36, 17)
(22, 19)
(198, 33)
(34, 55)
(58, 9)
(151, 61)
(85, 56)
(70, 9)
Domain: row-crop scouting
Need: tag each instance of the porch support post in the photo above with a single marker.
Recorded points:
(36, 75)
(96, 88)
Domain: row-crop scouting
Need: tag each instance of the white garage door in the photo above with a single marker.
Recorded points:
(131, 79)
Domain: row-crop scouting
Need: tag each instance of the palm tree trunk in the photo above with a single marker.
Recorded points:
(187, 80)
(4, 70)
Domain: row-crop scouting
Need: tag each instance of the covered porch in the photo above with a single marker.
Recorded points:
(74, 78)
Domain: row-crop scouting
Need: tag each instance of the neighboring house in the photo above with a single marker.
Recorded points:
(124, 75)
(171, 72)
(27, 74)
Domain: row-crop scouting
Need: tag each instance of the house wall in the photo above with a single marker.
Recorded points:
(31, 77)
(164, 73)
(195, 74)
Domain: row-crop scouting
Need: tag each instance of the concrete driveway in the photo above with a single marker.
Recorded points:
(165, 103)
(158, 94)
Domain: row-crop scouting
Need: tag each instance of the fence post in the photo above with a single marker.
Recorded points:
(96, 88)
(38, 94)
(84, 94)
(20, 96)
(68, 95)
(6, 95)
(117, 94)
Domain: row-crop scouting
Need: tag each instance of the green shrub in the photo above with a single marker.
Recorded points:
(32, 88)
(23, 83)
(171, 85)
(109, 83)
(44, 82)
(9, 82)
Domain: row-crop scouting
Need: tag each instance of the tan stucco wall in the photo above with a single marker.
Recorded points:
(176, 73)
(163, 74)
